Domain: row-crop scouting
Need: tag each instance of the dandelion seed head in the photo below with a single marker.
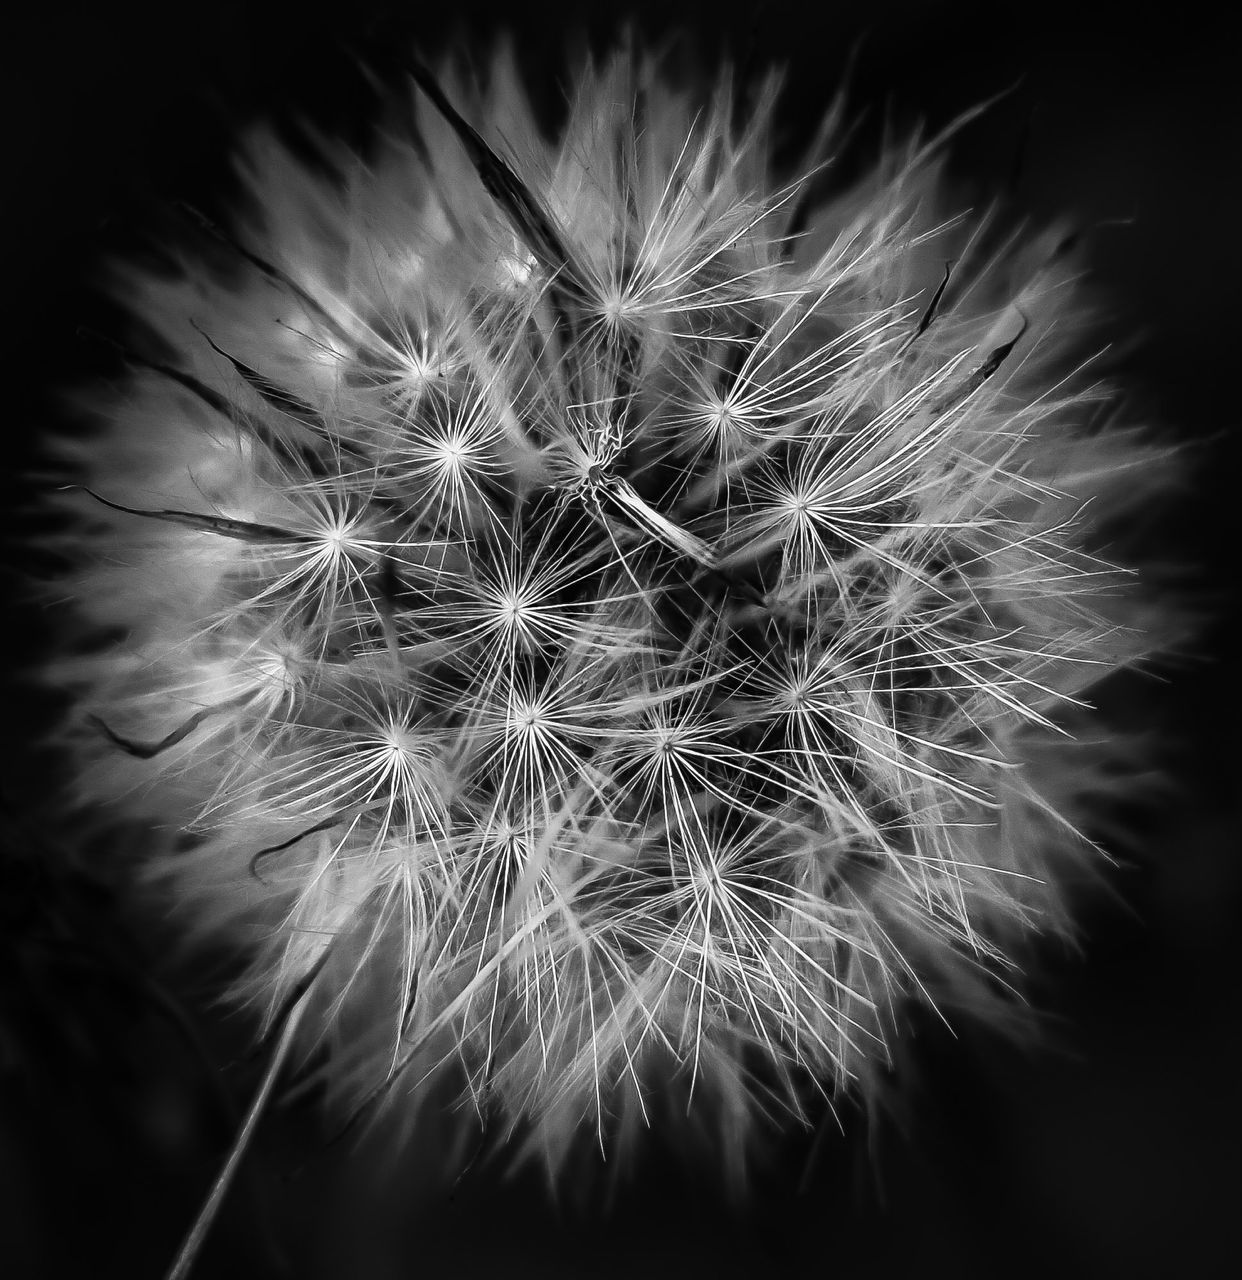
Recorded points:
(627, 616)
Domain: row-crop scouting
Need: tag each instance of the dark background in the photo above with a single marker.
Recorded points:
(1112, 1150)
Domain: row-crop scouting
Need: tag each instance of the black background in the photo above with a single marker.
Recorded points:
(1111, 1151)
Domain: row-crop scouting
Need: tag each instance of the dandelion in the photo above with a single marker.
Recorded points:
(599, 624)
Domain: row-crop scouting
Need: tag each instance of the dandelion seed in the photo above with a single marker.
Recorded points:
(622, 622)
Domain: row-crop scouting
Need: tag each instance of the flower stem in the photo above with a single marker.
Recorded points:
(224, 1179)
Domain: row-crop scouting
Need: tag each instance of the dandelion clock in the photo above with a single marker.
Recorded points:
(601, 624)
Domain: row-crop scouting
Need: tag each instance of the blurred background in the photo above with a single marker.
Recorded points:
(1110, 1149)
